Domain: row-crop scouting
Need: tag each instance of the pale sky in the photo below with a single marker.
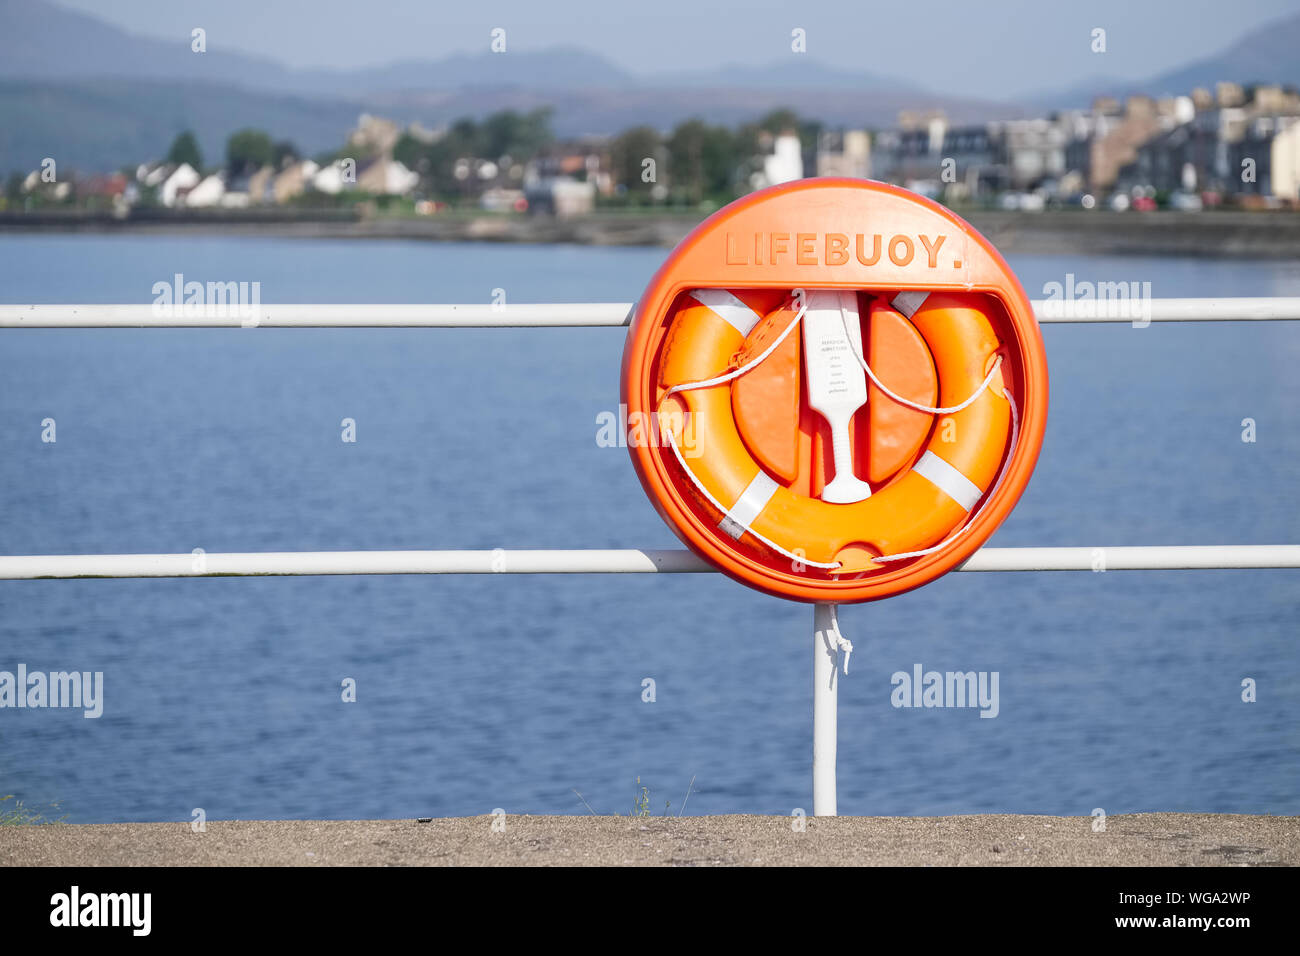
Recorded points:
(992, 48)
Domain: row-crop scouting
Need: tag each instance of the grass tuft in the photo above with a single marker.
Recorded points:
(18, 815)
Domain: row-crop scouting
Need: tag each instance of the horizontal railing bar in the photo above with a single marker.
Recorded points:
(574, 314)
(253, 564)
(300, 316)
(1231, 309)
(1136, 558)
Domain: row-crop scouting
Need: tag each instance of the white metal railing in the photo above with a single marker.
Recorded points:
(579, 314)
(826, 640)
(631, 561)
(611, 314)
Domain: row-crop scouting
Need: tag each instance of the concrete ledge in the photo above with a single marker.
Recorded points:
(1144, 839)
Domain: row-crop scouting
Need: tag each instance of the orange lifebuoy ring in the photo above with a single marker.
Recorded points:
(950, 429)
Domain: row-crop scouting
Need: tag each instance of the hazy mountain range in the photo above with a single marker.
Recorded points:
(1270, 54)
(96, 97)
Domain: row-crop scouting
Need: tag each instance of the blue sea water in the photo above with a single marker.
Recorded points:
(1119, 690)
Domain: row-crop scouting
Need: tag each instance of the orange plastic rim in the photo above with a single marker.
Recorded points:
(822, 234)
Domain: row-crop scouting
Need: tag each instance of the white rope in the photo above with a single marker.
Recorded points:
(939, 410)
(1015, 431)
(910, 404)
(798, 296)
(800, 559)
(838, 641)
(801, 298)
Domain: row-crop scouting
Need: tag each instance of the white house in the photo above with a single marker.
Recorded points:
(153, 174)
(35, 179)
(183, 177)
(784, 164)
(331, 179)
(381, 175)
(400, 179)
(560, 196)
(1285, 162)
(208, 192)
(386, 177)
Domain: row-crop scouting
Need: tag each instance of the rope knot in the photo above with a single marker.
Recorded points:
(844, 644)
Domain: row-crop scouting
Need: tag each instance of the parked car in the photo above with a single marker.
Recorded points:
(1024, 202)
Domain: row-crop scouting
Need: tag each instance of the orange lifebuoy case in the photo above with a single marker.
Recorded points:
(833, 234)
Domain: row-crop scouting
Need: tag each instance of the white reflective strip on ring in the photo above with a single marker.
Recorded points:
(728, 308)
(749, 505)
(948, 480)
(909, 302)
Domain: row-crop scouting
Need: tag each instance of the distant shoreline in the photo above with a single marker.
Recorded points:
(1217, 235)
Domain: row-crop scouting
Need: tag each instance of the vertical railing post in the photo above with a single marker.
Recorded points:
(826, 656)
